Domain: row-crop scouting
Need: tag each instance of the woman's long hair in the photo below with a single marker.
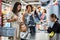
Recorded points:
(36, 14)
(15, 10)
(30, 6)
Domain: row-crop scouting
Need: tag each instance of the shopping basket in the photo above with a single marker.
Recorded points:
(1, 31)
(7, 32)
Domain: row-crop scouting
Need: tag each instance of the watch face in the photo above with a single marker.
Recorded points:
(44, 2)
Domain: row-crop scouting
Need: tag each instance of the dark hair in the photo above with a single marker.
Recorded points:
(36, 14)
(30, 6)
(39, 7)
(44, 10)
(53, 16)
(15, 7)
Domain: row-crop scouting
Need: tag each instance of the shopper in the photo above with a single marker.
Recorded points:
(13, 18)
(28, 19)
(36, 16)
(55, 27)
(43, 16)
(39, 11)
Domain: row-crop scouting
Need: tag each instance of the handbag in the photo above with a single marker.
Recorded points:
(51, 34)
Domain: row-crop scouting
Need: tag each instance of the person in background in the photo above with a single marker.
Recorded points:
(28, 19)
(13, 18)
(43, 16)
(39, 11)
(54, 27)
(24, 33)
(36, 16)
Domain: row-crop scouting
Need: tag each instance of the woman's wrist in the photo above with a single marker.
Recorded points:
(10, 20)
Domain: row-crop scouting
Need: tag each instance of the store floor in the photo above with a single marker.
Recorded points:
(42, 35)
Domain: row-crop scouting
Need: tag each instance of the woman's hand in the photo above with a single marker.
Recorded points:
(13, 19)
(10, 20)
(41, 20)
(46, 28)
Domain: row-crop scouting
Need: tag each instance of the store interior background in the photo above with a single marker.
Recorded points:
(52, 7)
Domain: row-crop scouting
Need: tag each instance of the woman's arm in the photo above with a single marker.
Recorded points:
(12, 19)
(49, 30)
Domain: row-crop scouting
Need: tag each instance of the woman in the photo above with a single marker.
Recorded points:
(55, 27)
(39, 11)
(36, 16)
(14, 19)
(44, 15)
(28, 19)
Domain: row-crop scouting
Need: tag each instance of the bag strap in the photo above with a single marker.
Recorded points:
(26, 34)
